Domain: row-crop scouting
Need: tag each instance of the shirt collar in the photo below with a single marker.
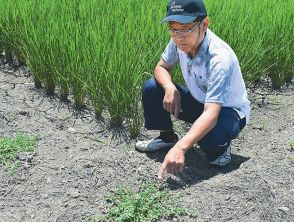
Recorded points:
(200, 55)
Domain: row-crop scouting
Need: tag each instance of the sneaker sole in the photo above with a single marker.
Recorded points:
(211, 165)
(153, 151)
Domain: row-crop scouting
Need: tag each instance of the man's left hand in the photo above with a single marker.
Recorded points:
(173, 162)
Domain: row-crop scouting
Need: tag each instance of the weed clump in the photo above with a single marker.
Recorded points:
(11, 146)
(149, 204)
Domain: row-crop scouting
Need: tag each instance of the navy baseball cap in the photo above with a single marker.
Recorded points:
(185, 11)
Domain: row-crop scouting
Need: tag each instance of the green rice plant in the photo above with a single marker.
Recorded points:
(59, 64)
(71, 51)
(135, 119)
(237, 31)
(6, 43)
(2, 13)
(39, 45)
(1, 46)
(135, 124)
(281, 69)
(14, 22)
(10, 39)
(75, 64)
(285, 57)
(13, 145)
(1, 35)
(59, 57)
(97, 56)
(24, 33)
(4, 39)
(260, 40)
(147, 205)
(124, 68)
(8, 53)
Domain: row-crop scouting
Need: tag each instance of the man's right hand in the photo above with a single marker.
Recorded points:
(172, 101)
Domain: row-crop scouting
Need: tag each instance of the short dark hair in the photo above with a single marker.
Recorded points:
(199, 19)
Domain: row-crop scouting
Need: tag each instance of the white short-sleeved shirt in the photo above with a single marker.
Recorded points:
(213, 75)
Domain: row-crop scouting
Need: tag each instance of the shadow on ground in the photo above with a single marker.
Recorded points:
(196, 168)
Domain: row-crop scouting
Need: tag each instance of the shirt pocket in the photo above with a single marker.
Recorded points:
(201, 81)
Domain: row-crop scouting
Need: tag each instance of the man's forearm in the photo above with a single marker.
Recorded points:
(199, 129)
(163, 77)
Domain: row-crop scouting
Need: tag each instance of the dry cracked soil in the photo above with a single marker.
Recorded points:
(79, 159)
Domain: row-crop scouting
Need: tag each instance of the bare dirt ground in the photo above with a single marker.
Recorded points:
(80, 159)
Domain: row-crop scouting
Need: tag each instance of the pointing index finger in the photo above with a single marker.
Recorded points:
(161, 171)
(177, 111)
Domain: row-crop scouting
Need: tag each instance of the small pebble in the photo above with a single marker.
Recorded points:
(65, 205)
(71, 130)
(284, 209)
(45, 196)
(227, 198)
(88, 165)
(75, 195)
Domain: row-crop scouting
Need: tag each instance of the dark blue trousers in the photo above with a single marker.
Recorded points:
(215, 142)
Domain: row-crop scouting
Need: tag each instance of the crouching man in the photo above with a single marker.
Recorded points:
(215, 99)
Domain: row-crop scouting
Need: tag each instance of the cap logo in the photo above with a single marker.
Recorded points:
(176, 8)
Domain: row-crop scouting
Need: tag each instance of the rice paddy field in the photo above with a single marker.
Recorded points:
(71, 74)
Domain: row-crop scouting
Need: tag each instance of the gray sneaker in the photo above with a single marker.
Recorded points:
(222, 160)
(154, 145)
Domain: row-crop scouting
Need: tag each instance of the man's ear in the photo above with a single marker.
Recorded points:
(205, 23)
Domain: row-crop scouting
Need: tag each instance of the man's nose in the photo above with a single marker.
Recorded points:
(180, 37)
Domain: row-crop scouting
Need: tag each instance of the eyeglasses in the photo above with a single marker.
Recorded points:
(183, 32)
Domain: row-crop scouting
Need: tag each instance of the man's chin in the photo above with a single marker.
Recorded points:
(184, 48)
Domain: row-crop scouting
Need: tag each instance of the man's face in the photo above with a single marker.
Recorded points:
(185, 36)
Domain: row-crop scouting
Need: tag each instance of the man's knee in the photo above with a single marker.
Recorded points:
(214, 144)
(151, 88)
